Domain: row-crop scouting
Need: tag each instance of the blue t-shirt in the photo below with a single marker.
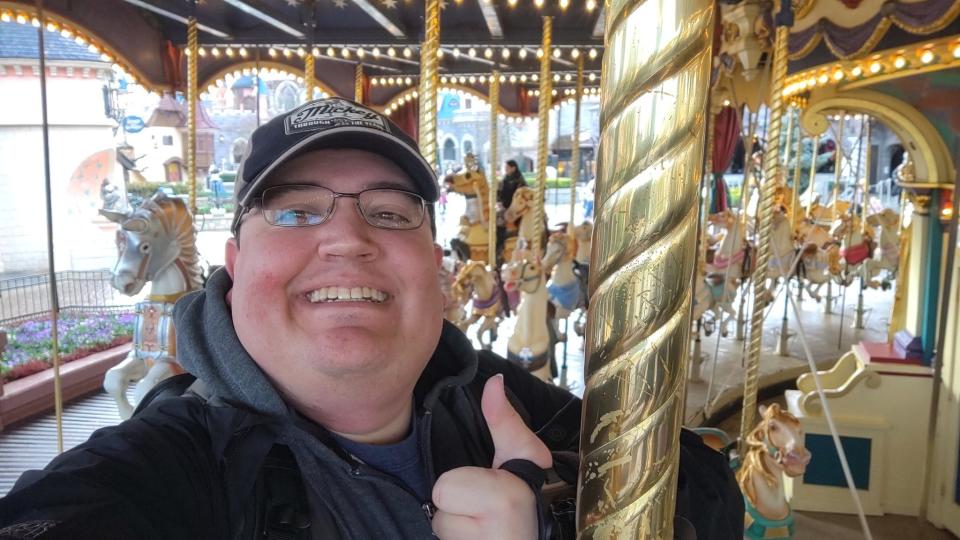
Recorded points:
(401, 460)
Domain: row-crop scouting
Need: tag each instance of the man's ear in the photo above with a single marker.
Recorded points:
(437, 255)
(231, 250)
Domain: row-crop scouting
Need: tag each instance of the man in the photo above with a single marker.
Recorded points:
(322, 350)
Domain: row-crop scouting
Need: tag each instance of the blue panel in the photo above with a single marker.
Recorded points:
(824, 468)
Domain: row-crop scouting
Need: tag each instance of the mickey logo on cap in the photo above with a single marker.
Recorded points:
(330, 113)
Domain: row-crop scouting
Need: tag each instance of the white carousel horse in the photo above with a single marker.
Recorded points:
(453, 300)
(774, 448)
(564, 286)
(472, 240)
(156, 244)
(715, 295)
(809, 232)
(782, 249)
(475, 280)
(855, 247)
(820, 265)
(530, 343)
(886, 256)
(522, 208)
(730, 251)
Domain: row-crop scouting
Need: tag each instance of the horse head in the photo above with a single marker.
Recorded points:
(780, 438)
(560, 247)
(150, 239)
(523, 273)
(523, 199)
(469, 180)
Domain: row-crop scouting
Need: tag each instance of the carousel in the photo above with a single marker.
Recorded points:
(753, 237)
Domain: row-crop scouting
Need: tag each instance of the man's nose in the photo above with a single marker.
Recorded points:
(346, 233)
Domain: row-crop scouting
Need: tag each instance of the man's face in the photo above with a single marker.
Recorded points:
(278, 271)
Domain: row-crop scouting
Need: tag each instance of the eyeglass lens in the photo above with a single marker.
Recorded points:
(304, 206)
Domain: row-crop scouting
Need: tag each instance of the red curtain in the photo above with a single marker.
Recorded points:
(172, 66)
(408, 118)
(726, 133)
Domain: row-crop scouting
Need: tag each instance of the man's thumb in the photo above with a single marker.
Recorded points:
(512, 439)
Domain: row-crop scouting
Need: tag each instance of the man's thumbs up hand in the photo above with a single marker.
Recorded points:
(474, 502)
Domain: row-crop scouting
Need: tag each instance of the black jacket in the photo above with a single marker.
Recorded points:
(188, 467)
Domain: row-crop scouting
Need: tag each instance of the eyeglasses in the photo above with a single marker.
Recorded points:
(308, 205)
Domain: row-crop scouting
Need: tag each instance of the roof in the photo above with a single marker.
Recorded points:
(171, 113)
(22, 41)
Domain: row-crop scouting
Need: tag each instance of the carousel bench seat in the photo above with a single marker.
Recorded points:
(880, 403)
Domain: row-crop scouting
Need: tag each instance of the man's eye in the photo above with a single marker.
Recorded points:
(392, 217)
(295, 216)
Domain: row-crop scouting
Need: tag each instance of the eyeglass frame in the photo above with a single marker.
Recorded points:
(257, 203)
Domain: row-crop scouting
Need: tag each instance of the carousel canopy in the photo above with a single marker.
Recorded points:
(147, 38)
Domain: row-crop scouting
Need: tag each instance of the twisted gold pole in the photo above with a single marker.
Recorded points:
(192, 61)
(358, 84)
(771, 170)
(543, 110)
(837, 168)
(795, 203)
(309, 76)
(494, 117)
(429, 63)
(575, 138)
(656, 72)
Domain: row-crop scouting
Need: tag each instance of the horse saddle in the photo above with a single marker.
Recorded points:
(856, 254)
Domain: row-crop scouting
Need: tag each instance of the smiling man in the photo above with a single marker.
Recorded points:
(331, 399)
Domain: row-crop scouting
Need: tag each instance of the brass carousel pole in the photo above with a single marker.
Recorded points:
(864, 204)
(575, 154)
(192, 60)
(429, 64)
(54, 297)
(358, 84)
(837, 166)
(771, 168)
(309, 76)
(492, 219)
(795, 202)
(656, 65)
(813, 174)
(543, 112)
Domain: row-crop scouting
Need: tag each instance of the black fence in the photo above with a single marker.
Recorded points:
(28, 297)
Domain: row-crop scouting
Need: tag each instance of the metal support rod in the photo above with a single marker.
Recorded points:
(51, 265)
(575, 137)
(492, 219)
(795, 202)
(813, 174)
(543, 112)
(192, 60)
(429, 63)
(837, 166)
(657, 65)
(771, 168)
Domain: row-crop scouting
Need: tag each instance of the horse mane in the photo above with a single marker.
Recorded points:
(172, 214)
(757, 442)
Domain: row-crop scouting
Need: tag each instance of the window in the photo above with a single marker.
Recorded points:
(467, 147)
(449, 150)
(168, 140)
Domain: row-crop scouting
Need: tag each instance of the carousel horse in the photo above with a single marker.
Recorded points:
(818, 266)
(583, 233)
(855, 246)
(474, 280)
(521, 211)
(782, 250)
(156, 244)
(565, 288)
(811, 233)
(729, 253)
(530, 344)
(471, 242)
(714, 295)
(886, 256)
(453, 300)
(774, 448)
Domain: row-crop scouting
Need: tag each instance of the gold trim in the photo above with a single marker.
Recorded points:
(262, 65)
(91, 39)
(879, 32)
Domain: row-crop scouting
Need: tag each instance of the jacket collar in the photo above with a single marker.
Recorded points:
(453, 364)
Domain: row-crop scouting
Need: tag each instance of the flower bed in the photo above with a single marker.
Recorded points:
(29, 349)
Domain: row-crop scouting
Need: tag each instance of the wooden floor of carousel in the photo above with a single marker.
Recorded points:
(32, 444)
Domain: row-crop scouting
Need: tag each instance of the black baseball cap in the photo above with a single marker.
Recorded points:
(323, 124)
